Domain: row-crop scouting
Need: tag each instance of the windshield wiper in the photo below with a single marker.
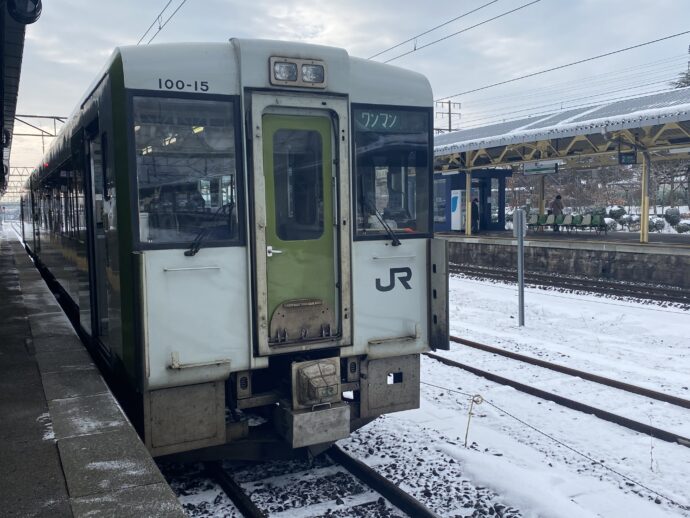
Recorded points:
(386, 226)
(195, 246)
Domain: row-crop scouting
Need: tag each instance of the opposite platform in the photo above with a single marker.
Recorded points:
(613, 257)
(67, 448)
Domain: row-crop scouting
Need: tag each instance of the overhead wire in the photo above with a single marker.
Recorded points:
(646, 76)
(167, 21)
(560, 67)
(161, 25)
(506, 13)
(579, 88)
(584, 81)
(478, 117)
(500, 113)
(548, 113)
(560, 98)
(433, 29)
(158, 17)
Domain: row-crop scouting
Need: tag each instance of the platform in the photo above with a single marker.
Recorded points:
(617, 256)
(611, 241)
(67, 448)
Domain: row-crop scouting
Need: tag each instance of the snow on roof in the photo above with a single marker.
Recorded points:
(650, 110)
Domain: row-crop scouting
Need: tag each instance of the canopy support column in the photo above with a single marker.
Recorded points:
(468, 193)
(644, 202)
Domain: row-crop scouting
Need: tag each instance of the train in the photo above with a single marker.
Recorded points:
(242, 233)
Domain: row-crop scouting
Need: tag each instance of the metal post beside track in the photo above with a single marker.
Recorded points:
(519, 230)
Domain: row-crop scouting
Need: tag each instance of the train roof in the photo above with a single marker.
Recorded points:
(246, 60)
(232, 66)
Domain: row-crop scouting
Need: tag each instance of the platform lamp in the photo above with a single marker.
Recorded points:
(24, 11)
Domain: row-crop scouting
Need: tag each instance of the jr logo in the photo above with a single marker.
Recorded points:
(402, 274)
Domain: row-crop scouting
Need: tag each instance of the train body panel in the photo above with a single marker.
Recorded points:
(244, 228)
(390, 298)
(202, 304)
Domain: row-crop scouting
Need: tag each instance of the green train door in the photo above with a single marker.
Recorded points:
(300, 235)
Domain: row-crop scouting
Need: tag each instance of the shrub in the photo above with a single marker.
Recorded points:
(628, 220)
(617, 212)
(672, 215)
(682, 228)
(601, 211)
(656, 224)
(611, 224)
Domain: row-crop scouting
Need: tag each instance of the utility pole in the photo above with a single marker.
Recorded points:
(451, 110)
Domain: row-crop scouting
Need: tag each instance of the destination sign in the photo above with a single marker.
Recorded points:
(390, 121)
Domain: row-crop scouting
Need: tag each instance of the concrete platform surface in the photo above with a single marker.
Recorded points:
(659, 244)
(68, 450)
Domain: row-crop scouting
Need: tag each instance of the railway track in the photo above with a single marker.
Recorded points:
(652, 394)
(338, 486)
(570, 403)
(574, 283)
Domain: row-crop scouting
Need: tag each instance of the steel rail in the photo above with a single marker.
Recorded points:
(399, 498)
(652, 394)
(234, 491)
(621, 289)
(569, 403)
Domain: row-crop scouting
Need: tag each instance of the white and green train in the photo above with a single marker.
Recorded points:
(243, 231)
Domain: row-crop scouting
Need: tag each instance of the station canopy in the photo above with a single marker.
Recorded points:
(11, 50)
(584, 137)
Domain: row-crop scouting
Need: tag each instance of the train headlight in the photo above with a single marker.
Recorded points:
(297, 72)
(313, 73)
(285, 71)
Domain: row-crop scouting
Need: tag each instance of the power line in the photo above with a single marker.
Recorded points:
(591, 87)
(486, 87)
(161, 25)
(157, 18)
(464, 30)
(584, 82)
(433, 29)
(603, 101)
(486, 114)
(166, 21)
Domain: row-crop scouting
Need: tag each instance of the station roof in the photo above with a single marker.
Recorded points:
(656, 122)
(12, 49)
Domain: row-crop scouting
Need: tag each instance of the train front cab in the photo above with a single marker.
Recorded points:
(251, 248)
(336, 284)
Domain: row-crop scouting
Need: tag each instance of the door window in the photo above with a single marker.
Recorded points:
(298, 178)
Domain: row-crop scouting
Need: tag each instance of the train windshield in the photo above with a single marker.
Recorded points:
(186, 170)
(392, 153)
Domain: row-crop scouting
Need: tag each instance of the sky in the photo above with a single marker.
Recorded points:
(70, 43)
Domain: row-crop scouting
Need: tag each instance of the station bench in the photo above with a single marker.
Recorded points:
(570, 222)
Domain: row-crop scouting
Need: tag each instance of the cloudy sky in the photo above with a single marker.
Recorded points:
(67, 47)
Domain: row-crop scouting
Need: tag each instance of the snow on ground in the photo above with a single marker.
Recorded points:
(536, 456)
(639, 343)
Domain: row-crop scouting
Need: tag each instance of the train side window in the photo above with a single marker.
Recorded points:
(186, 165)
(104, 165)
(392, 171)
